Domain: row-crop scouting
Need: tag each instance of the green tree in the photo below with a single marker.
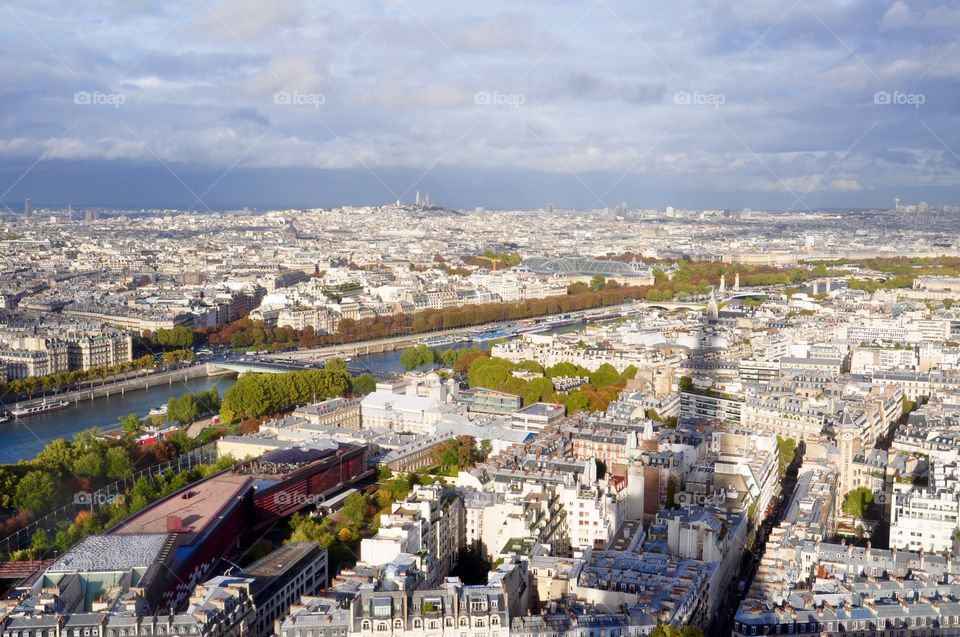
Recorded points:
(908, 407)
(485, 448)
(566, 370)
(39, 544)
(89, 464)
(183, 409)
(179, 337)
(336, 365)
(530, 366)
(597, 283)
(256, 395)
(539, 390)
(118, 463)
(181, 441)
(788, 451)
(576, 401)
(8, 484)
(858, 502)
(364, 384)
(355, 509)
(948, 303)
(669, 630)
(305, 529)
(55, 456)
(416, 357)
(685, 384)
(66, 537)
(37, 492)
(448, 459)
(131, 424)
(605, 375)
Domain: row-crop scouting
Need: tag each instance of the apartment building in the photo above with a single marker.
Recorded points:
(428, 524)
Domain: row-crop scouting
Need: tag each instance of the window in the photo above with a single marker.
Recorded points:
(382, 607)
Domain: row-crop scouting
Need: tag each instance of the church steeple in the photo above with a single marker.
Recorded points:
(713, 311)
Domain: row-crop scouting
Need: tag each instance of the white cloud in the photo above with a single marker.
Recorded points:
(250, 20)
(897, 16)
(845, 185)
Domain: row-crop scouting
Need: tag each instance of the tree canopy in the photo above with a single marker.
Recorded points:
(788, 451)
(669, 630)
(415, 357)
(256, 395)
(858, 503)
(36, 492)
(185, 409)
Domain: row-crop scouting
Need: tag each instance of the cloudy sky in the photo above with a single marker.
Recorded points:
(701, 103)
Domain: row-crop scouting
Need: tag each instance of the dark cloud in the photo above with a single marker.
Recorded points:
(247, 115)
(699, 98)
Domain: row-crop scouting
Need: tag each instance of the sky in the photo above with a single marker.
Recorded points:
(212, 104)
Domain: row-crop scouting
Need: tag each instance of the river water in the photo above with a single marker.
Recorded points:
(23, 438)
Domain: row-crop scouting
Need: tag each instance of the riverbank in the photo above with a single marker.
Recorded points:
(139, 382)
(23, 438)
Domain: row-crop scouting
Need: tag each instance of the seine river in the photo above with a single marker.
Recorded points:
(23, 438)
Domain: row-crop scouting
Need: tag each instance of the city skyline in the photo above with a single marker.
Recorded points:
(224, 105)
(403, 318)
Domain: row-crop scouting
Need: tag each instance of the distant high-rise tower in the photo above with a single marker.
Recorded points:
(549, 207)
(28, 207)
(896, 204)
(418, 199)
(736, 283)
(723, 283)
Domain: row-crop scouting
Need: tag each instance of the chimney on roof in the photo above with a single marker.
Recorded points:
(175, 524)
